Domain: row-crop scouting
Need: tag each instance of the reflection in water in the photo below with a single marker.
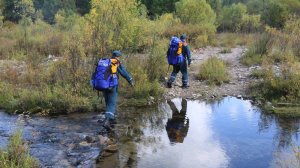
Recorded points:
(287, 129)
(178, 126)
(227, 133)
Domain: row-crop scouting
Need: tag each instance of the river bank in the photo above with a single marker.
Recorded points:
(239, 76)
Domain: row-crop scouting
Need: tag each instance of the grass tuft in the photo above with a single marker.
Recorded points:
(16, 155)
(214, 71)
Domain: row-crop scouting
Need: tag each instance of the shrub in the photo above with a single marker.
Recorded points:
(257, 50)
(232, 17)
(144, 87)
(198, 35)
(250, 23)
(275, 15)
(195, 12)
(17, 155)
(116, 21)
(45, 100)
(225, 50)
(214, 71)
(230, 40)
(156, 63)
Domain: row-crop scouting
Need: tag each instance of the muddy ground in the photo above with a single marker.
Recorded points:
(239, 76)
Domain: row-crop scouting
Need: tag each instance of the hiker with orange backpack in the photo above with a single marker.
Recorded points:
(106, 80)
(179, 56)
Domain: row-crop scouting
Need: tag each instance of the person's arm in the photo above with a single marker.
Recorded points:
(188, 54)
(122, 70)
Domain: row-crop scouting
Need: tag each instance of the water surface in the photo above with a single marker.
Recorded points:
(177, 134)
(226, 133)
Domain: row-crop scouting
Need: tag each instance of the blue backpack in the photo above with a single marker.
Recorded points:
(103, 78)
(174, 54)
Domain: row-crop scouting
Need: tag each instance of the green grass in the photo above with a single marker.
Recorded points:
(214, 71)
(258, 74)
(230, 40)
(44, 100)
(225, 50)
(287, 111)
(16, 155)
(251, 58)
(257, 50)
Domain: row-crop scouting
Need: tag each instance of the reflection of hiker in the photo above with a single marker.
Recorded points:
(178, 126)
(105, 79)
(183, 50)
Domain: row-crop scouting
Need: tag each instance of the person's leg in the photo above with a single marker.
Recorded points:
(172, 78)
(185, 77)
(111, 103)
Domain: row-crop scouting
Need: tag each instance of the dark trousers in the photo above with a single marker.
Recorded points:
(111, 97)
(184, 71)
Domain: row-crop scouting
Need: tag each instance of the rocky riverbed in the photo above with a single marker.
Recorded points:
(76, 140)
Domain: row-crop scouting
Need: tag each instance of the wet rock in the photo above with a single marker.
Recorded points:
(172, 94)
(73, 154)
(74, 161)
(239, 96)
(84, 143)
(152, 98)
(103, 140)
(111, 148)
(89, 139)
(106, 154)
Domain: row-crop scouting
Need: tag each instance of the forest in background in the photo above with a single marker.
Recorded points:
(50, 47)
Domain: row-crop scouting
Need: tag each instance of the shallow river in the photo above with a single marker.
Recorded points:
(178, 134)
(228, 133)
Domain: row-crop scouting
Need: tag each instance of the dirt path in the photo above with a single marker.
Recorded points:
(237, 86)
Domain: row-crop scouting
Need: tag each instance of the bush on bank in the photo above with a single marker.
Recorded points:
(16, 154)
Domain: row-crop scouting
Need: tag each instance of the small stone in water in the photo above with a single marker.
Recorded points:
(111, 148)
(103, 140)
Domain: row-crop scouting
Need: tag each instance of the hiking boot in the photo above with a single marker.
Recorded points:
(169, 84)
(185, 86)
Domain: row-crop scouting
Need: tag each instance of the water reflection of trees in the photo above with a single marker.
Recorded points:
(286, 128)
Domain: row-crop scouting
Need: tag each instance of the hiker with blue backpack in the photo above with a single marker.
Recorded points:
(106, 80)
(179, 56)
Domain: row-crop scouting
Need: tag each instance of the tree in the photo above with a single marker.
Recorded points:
(293, 5)
(232, 17)
(113, 24)
(83, 6)
(15, 10)
(230, 2)
(1, 9)
(275, 14)
(159, 7)
(216, 5)
(195, 12)
(255, 6)
(250, 23)
(51, 7)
